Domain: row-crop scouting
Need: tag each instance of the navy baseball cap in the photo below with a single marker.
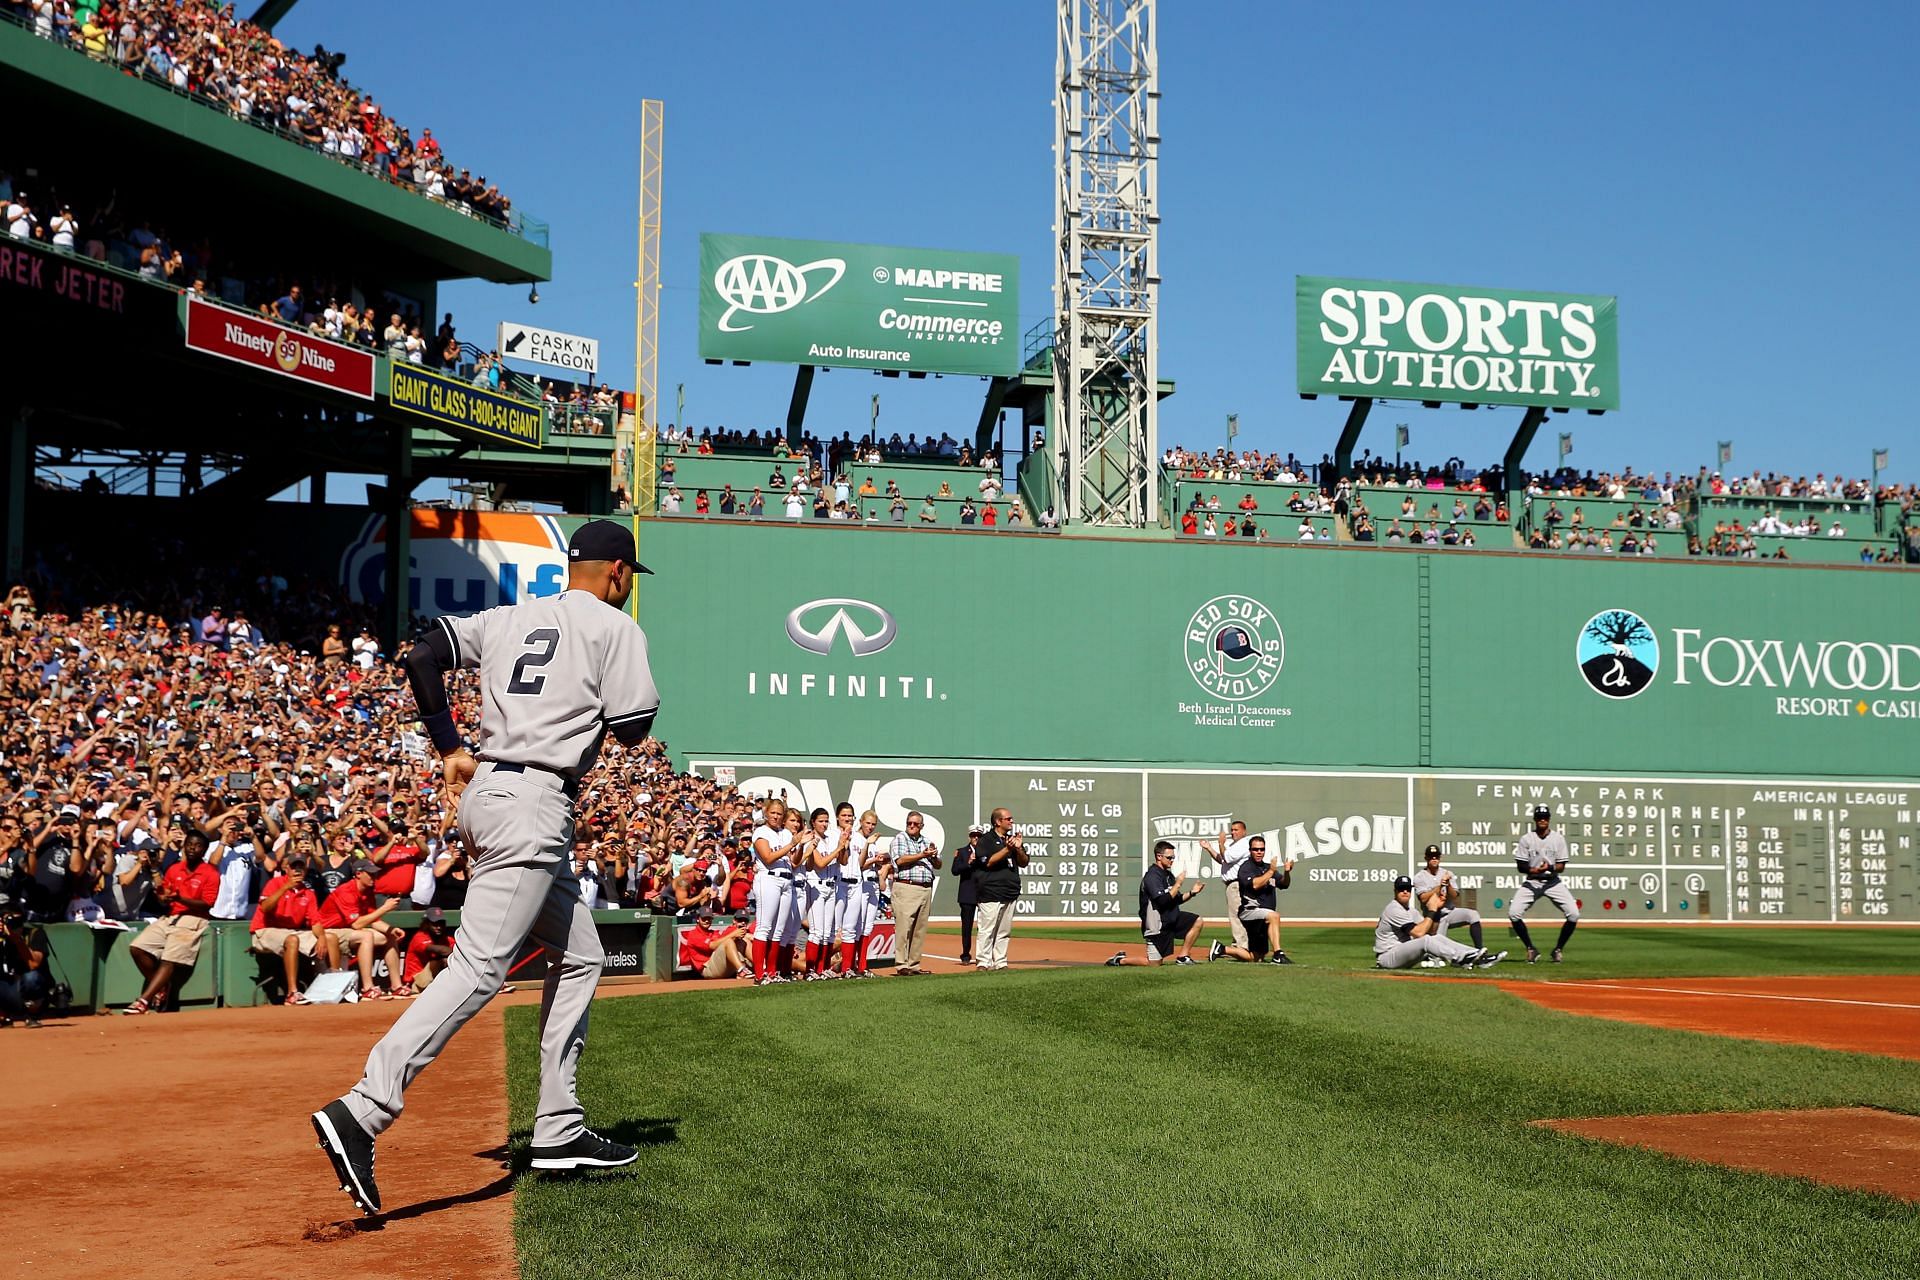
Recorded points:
(1233, 642)
(604, 540)
(1402, 883)
(1541, 811)
(1432, 850)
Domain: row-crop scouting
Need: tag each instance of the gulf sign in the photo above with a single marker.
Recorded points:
(462, 561)
(274, 348)
(1456, 343)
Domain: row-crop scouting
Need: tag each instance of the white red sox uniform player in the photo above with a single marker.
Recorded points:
(1541, 855)
(557, 674)
(772, 892)
(866, 857)
(828, 885)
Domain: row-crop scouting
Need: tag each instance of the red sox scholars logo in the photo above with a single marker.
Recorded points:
(1234, 647)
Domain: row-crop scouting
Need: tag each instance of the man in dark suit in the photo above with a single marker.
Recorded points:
(966, 865)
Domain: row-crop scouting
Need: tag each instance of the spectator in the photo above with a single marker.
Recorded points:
(1002, 853)
(170, 945)
(966, 868)
(348, 919)
(427, 952)
(283, 924)
(715, 951)
(915, 858)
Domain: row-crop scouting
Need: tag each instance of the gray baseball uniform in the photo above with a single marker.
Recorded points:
(556, 674)
(1425, 882)
(1531, 853)
(1394, 948)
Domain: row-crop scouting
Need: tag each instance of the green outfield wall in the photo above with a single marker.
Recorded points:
(1719, 740)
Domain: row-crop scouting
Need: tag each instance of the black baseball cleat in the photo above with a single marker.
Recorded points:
(1216, 949)
(351, 1150)
(587, 1151)
(1471, 959)
(1556, 955)
(1183, 959)
(1117, 959)
(1488, 959)
(1533, 957)
(1279, 957)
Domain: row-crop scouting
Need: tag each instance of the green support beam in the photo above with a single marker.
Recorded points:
(797, 407)
(1350, 436)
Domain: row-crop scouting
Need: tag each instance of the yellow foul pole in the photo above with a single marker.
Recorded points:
(646, 329)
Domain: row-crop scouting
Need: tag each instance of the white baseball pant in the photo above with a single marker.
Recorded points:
(859, 910)
(1406, 953)
(522, 885)
(772, 905)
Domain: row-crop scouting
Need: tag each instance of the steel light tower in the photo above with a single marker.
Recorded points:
(1106, 279)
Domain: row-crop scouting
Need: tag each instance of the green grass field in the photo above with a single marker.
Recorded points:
(1223, 1120)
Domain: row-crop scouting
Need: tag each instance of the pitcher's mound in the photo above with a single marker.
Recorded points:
(1856, 1147)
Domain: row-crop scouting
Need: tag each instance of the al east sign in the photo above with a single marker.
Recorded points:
(1463, 344)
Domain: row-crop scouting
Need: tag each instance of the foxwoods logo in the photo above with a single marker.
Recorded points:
(860, 627)
(1234, 651)
(763, 285)
(1619, 656)
(1618, 653)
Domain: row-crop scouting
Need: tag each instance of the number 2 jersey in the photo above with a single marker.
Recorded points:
(555, 674)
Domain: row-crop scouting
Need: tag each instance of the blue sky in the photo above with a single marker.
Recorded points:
(1741, 176)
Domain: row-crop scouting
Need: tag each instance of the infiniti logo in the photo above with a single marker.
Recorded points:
(860, 640)
(761, 284)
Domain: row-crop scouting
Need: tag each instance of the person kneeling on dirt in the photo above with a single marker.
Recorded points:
(427, 951)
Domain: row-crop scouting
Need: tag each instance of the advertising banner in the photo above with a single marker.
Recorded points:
(453, 405)
(29, 271)
(274, 348)
(858, 305)
(1456, 344)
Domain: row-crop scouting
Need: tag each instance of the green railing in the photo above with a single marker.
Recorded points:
(516, 223)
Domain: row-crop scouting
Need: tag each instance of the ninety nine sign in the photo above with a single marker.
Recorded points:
(274, 348)
(454, 406)
(858, 306)
(1398, 341)
(544, 346)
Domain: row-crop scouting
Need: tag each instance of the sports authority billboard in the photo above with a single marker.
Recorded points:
(274, 348)
(1466, 345)
(858, 305)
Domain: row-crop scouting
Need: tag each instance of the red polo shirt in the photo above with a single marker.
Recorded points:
(199, 885)
(416, 958)
(697, 945)
(343, 906)
(396, 874)
(295, 910)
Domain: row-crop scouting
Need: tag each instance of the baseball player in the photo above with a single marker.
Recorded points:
(1438, 891)
(866, 858)
(799, 890)
(772, 890)
(826, 885)
(1405, 936)
(557, 674)
(1541, 855)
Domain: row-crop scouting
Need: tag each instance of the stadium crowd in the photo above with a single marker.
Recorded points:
(209, 52)
(223, 743)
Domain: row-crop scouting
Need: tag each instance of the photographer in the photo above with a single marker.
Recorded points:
(187, 890)
(55, 848)
(234, 857)
(24, 980)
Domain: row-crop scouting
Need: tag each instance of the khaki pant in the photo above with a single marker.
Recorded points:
(270, 941)
(176, 939)
(996, 926)
(1233, 914)
(912, 905)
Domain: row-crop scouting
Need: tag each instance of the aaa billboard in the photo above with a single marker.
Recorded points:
(858, 305)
